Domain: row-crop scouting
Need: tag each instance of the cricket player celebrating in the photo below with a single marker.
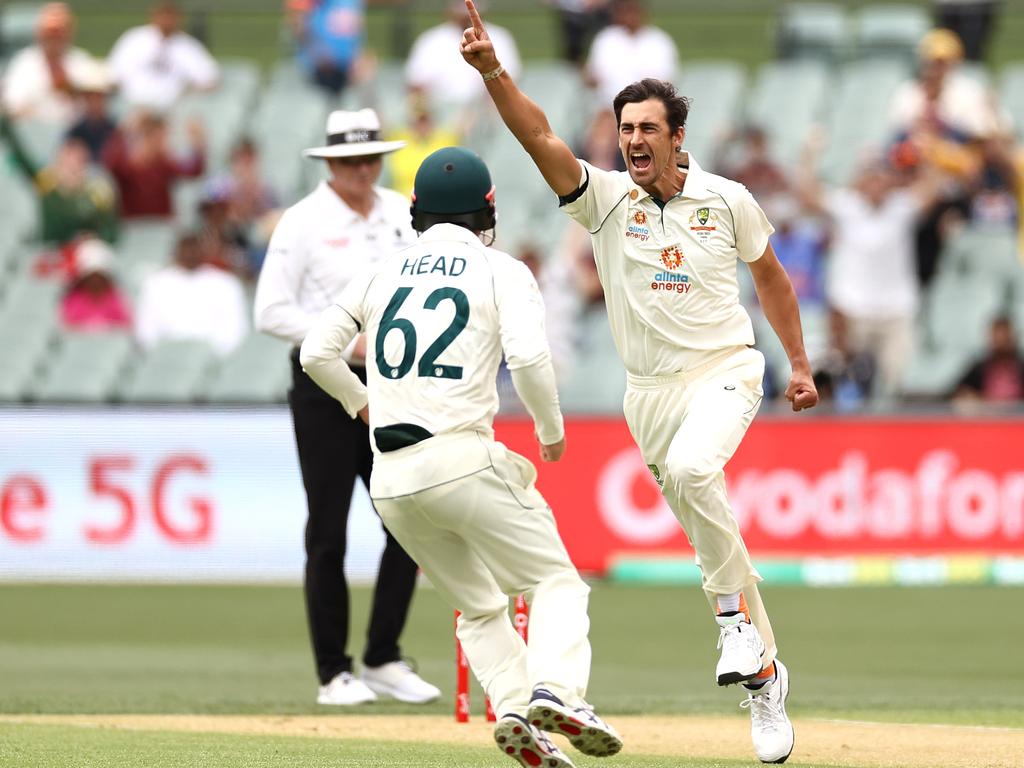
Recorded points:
(666, 237)
(438, 316)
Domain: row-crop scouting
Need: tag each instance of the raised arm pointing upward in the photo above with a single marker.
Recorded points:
(667, 236)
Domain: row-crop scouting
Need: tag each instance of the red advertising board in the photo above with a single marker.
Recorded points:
(800, 487)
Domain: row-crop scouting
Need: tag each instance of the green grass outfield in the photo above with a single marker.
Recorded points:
(929, 655)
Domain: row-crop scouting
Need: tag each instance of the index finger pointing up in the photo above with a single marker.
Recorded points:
(474, 15)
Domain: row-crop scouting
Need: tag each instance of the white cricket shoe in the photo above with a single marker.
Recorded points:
(742, 649)
(770, 727)
(527, 745)
(585, 730)
(398, 681)
(345, 690)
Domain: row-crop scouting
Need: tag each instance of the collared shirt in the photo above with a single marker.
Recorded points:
(438, 316)
(318, 246)
(154, 71)
(669, 274)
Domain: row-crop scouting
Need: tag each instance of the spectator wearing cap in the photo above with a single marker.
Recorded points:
(140, 160)
(435, 67)
(330, 36)
(73, 199)
(155, 64)
(93, 302)
(345, 225)
(942, 97)
(94, 127)
(38, 83)
(190, 299)
(627, 50)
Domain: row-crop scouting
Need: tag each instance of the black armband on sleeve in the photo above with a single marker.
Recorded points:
(577, 193)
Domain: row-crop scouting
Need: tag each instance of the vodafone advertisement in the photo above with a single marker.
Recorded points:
(802, 486)
(216, 495)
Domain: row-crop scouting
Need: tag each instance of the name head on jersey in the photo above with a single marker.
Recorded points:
(453, 186)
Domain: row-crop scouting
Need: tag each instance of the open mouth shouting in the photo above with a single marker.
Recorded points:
(640, 161)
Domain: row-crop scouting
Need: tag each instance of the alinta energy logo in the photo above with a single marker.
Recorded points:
(636, 227)
(672, 258)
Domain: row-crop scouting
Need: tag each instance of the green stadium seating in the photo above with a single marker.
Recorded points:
(558, 89)
(1011, 94)
(788, 97)
(858, 121)
(40, 139)
(147, 240)
(257, 372)
(17, 26)
(23, 343)
(715, 89)
(957, 312)
(989, 253)
(171, 372)
(19, 212)
(596, 382)
(241, 79)
(812, 30)
(934, 374)
(30, 298)
(85, 369)
(891, 29)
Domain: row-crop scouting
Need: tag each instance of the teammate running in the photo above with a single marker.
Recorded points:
(438, 316)
(667, 236)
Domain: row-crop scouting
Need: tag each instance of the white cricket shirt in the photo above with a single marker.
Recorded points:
(318, 246)
(669, 275)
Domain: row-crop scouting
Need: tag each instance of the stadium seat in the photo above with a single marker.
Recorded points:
(23, 344)
(31, 299)
(1011, 94)
(40, 139)
(988, 253)
(17, 26)
(957, 312)
(19, 213)
(85, 368)
(241, 79)
(934, 374)
(558, 89)
(596, 382)
(171, 372)
(891, 30)
(257, 372)
(715, 89)
(812, 30)
(858, 120)
(788, 97)
(149, 240)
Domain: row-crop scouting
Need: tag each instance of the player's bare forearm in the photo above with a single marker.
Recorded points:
(524, 118)
(779, 302)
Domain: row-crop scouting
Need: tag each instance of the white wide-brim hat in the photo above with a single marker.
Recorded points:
(351, 134)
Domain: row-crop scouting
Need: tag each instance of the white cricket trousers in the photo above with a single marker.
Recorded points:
(485, 537)
(687, 426)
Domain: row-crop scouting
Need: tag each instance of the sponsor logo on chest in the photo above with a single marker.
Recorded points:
(636, 227)
(670, 279)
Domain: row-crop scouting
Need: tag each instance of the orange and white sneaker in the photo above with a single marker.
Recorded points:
(770, 728)
(742, 649)
(528, 746)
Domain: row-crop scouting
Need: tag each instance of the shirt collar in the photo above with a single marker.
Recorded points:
(345, 214)
(694, 185)
(451, 232)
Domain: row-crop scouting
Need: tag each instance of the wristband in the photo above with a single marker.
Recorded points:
(494, 74)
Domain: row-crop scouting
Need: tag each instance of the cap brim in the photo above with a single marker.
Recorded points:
(354, 150)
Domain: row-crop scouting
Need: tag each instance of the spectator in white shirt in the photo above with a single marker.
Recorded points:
(435, 65)
(872, 279)
(38, 84)
(192, 300)
(155, 64)
(627, 51)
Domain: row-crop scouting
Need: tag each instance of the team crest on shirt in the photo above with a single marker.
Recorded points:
(672, 257)
(703, 223)
(636, 227)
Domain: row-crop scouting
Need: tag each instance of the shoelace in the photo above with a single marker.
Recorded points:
(734, 636)
(765, 711)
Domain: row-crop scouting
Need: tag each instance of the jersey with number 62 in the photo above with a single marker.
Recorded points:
(437, 317)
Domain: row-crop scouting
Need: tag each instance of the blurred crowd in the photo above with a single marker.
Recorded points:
(861, 256)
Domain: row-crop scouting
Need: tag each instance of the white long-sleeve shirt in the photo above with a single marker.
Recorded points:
(318, 246)
(438, 316)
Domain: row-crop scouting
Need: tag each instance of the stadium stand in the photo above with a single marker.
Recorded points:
(85, 368)
(172, 372)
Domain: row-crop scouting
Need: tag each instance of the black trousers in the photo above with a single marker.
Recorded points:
(333, 451)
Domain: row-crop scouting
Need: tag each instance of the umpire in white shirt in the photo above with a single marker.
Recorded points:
(319, 245)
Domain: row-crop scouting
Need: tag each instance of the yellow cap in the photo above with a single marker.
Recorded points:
(941, 44)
